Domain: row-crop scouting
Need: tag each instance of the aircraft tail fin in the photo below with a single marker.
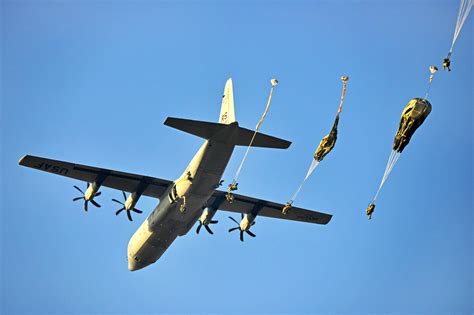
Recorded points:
(217, 131)
(227, 115)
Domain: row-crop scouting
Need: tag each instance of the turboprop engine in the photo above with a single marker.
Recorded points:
(206, 219)
(246, 222)
(92, 191)
(129, 204)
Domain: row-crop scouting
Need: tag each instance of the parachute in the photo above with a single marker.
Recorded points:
(234, 185)
(418, 109)
(328, 142)
(464, 9)
(325, 146)
(413, 116)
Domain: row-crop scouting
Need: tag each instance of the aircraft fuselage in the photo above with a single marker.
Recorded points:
(192, 189)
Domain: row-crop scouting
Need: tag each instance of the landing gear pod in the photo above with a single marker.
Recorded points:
(412, 117)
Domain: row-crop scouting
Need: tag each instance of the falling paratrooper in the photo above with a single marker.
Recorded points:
(234, 185)
(325, 146)
(413, 116)
(465, 7)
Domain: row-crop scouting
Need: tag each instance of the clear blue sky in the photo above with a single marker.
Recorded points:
(92, 82)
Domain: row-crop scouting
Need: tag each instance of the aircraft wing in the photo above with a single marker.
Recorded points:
(244, 204)
(152, 187)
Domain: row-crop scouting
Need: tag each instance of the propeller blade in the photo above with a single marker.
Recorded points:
(86, 204)
(242, 216)
(124, 195)
(98, 194)
(241, 235)
(78, 189)
(119, 210)
(198, 228)
(208, 229)
(137, 210)
(252, 223)
(115, 200)
(94, 203)
(250, 233)
(129, 216)
(233, 229)
(77, 198)
(214, 222)
(234, 220)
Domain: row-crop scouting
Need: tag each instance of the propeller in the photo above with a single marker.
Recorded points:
(241, 231)
(84, 197)
(206, 226)
(124, 208)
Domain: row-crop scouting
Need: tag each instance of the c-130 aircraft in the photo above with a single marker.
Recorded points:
(192, 196)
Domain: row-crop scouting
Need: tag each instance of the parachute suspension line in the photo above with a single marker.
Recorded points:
(234, 184)
(295, 194)
(387, 167)
(237, 174)
(310, 170)
(392, 160)
(464, 8)
(428, 90)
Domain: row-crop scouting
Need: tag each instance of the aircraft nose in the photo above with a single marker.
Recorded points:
(133, 264)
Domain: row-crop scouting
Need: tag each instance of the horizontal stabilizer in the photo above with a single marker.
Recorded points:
(198, 128)
(261, 140)
(211, 130)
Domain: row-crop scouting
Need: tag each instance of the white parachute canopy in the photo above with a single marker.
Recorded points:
(464, 9)
(433, 70)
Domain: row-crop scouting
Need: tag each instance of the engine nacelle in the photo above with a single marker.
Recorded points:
(91, 191)
(207, 215)
(247, 222)
(132, 200)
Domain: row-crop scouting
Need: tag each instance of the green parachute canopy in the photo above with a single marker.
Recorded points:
(412, 117)
(328, 142)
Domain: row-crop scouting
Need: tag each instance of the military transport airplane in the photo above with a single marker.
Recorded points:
(192, 197)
